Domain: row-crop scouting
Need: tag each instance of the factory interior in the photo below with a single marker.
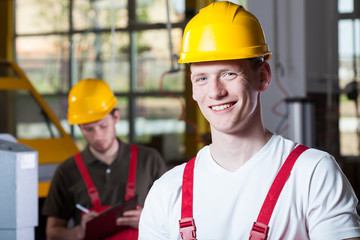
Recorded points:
(47, 46)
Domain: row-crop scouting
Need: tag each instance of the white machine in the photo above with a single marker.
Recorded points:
(19, 190)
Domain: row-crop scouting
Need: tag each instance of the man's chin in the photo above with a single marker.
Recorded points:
(100, 149)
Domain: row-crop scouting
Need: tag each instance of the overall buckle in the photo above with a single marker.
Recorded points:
(187, 229)
(259, 231)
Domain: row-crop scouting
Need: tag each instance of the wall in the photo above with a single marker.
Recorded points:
(302, 38)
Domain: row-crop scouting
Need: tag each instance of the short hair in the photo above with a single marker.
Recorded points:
(256, 62)
(113, 111)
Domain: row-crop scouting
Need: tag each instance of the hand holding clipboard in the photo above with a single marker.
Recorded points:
(105, 224)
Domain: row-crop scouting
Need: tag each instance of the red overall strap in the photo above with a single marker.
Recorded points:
(92, 191)
(187, 225)
(131, 184)
(260, 228)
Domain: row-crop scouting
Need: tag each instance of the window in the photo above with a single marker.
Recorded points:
(29, 118)
(349, 76)
(124, 42)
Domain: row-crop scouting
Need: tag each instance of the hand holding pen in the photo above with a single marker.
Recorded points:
(86, 217)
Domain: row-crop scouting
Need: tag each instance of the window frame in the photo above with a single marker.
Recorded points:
(133, 26)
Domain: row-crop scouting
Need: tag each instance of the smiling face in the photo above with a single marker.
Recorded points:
(227, 92)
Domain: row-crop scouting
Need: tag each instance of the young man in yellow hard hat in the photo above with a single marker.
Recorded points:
(240, 186)
(108, 171)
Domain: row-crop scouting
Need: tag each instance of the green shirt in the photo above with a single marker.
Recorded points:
(68, 187)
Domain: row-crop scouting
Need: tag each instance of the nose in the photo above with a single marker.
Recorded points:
(98, 133)
(217, 89)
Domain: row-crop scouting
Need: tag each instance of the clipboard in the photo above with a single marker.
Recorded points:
(104, 225)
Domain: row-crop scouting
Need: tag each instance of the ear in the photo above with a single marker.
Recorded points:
(264, 74)
(116, 115)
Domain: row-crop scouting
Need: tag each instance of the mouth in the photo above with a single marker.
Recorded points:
(100, 144)
(221, 107)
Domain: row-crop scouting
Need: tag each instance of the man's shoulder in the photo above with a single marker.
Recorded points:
(288, 144)
(147, 149)
(309, 160)
(173, 177)
(67, 164)
(314, 158)
(282, 147)
(142, 149)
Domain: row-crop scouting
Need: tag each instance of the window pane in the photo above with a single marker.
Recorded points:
(346, 52)
(28, 117)
(158, 115)
(100, 14)
(122, 127)
(59, 105)
(38, 16)
(45, 62)
(159, 124)
(348, 125)
(346, 6)
(94, 58)
(153, 60)
(349, 47)
(156, 11)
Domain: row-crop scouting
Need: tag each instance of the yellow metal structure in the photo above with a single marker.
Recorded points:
(52, 150)
(7, 29)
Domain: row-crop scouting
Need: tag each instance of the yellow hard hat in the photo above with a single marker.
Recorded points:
(90, 100)
(223, 31)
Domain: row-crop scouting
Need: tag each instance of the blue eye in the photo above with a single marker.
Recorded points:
(201, 79)
(88, 129)
(229, 75)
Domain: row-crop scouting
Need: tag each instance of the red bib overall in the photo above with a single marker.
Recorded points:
(260, 227)
(130, 233)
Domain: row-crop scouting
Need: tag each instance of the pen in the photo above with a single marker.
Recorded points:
(84, 209)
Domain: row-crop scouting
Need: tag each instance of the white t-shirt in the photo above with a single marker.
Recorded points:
(317, 201)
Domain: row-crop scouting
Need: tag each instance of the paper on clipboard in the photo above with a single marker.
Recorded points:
(104, 225)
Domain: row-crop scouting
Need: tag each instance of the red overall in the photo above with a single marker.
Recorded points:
(128, 234)
(260, 227)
